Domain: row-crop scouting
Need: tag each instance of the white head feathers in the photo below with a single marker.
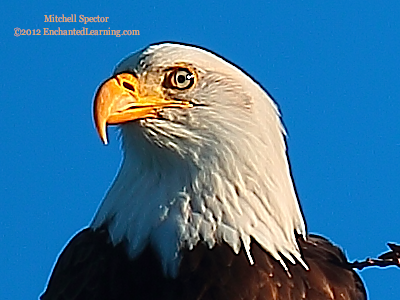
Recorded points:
(216, 172)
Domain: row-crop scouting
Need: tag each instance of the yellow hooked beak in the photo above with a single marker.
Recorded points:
(118, 100)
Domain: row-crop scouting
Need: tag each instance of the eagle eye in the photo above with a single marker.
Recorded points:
(179, 78)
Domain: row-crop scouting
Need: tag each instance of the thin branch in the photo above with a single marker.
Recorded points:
(390, 258)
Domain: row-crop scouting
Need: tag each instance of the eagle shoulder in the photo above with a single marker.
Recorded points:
(91, 267)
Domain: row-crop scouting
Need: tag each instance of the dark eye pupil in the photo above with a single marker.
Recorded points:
(181, 78)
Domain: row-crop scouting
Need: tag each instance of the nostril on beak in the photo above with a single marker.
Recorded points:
(128, 86)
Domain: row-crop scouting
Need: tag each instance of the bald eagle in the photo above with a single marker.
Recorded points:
(203, 206)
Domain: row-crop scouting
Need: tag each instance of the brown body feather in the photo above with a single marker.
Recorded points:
(90, 267)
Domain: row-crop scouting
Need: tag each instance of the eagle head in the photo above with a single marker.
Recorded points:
(204, 157)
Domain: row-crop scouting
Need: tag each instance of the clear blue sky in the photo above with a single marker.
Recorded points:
(333, 67)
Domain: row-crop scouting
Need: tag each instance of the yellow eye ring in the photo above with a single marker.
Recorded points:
(179, 78)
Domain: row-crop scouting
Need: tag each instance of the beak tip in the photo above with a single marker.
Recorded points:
(101, 128)
(103, 134)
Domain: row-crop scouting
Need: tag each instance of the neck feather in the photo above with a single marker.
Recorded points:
(225, 194)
